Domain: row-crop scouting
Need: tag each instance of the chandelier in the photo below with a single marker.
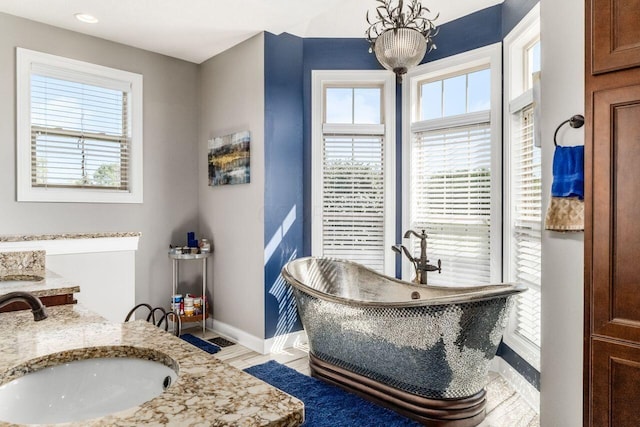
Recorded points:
(399, 35)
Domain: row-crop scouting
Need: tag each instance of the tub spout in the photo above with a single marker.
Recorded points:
(34, 302)
(408, 234)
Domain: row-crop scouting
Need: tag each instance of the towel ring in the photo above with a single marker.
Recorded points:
(575, 122)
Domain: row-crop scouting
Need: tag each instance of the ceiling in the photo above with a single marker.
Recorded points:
(196, 30)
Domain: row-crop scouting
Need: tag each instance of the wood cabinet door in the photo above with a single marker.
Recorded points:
(613, 361)
(615, 384)
(616, 213)
(616, 35)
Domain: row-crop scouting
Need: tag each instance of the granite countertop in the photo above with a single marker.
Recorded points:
(208, 392)
(53, 284)
(65, 236)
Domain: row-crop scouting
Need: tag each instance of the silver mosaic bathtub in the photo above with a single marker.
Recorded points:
(429, 341)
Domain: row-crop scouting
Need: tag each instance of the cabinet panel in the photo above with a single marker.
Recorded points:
(616, 35)
(47, 301)
(626, 205)
(615, 384)
(616, 186)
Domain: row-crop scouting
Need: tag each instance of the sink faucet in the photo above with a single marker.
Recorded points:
(34, 302)
(421, 265)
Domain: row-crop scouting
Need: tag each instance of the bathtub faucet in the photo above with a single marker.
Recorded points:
(421, 265)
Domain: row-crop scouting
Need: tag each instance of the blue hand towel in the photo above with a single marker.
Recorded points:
(568, 172)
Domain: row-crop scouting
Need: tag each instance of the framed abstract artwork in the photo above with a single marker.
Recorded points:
(228, 159)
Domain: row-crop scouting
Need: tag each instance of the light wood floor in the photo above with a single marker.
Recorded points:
(505, 408)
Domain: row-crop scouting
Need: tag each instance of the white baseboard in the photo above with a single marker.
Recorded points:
(281, 342)
(260, 345)
(236, 335)
(528, 392)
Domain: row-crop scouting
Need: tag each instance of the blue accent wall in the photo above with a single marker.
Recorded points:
(513, 11)
(398, 177)
(469, 32)
(283, 155)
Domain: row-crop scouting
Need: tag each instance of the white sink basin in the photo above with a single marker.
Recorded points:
(82, 389)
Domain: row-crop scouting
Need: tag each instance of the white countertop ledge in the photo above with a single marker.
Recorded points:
(71, 243)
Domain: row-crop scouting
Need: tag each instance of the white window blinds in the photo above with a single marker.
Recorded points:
(353, 179)
(451, 201)
(80, 134)
(526, 193)
(353, 209)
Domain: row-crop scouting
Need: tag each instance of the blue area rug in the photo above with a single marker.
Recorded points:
(200, 343)
(326, 405)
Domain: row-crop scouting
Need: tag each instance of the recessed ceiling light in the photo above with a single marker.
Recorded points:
(86, 18)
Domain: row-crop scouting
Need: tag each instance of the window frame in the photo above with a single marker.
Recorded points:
(84, 72)
(517, 96)
(354, 78)
(466, 62)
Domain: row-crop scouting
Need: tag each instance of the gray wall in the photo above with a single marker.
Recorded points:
(232, 99)
(562, 93)
(171, 102)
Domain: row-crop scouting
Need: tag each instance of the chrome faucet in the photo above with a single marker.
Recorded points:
(421, 265)
(34, 302)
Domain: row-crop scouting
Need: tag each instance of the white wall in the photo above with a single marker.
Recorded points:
(106, 280)
(562, 91)
(232, 99)
(171, 101)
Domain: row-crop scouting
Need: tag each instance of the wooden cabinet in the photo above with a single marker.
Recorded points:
(616, 191)
(612, 209)
(615, 383)
(47, 301)
(616, 35)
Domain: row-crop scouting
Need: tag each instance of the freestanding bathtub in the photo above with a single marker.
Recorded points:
(423, 351)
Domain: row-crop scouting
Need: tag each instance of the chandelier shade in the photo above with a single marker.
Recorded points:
(400, 36)
(400, 49)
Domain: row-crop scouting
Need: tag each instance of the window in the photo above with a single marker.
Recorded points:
(79, 131)
(452, 166)
(466, 93)
(353, 178)
(523, 191)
